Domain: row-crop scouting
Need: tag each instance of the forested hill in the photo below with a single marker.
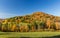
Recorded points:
(37, 20)
(36, 16)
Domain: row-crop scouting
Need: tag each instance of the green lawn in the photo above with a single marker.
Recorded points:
(29, 34)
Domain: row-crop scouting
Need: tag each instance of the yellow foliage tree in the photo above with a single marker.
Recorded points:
(48, 23)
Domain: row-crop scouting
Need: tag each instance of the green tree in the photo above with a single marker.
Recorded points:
(42, 25)
(0, 26)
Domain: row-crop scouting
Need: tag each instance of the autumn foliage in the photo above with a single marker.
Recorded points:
(30, 23)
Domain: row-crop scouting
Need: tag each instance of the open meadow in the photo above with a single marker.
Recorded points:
(29, 34)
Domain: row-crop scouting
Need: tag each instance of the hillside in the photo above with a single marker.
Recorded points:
(35, 16)
(32, 22)
(1, 20)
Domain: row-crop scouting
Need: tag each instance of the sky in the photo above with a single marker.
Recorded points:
(11, 8)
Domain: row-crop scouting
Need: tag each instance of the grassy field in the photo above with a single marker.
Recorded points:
(29, 34)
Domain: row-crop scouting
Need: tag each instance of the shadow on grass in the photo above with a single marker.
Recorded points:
(58, 36)
(19, 37)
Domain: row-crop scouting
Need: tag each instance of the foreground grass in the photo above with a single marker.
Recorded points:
(29, 34)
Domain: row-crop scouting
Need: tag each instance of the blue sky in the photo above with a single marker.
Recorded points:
(11, 8)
